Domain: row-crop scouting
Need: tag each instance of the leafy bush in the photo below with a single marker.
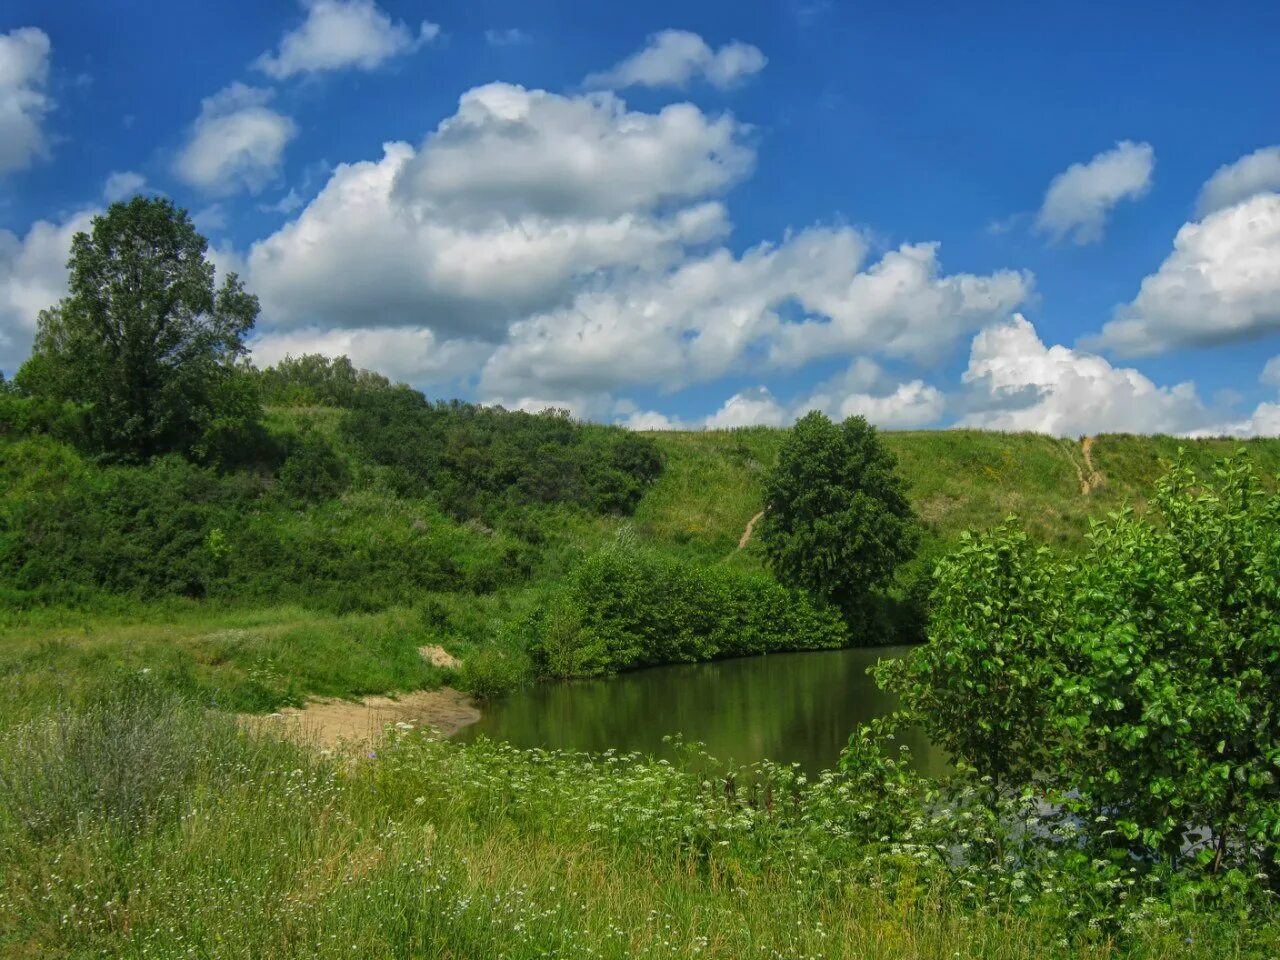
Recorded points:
(1135, 686)
(625, 607)
(474, 461)
(313, 379)
(490, 672)
(313, 471)
(172, 528)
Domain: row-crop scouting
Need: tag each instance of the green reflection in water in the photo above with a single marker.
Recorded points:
(789, 707)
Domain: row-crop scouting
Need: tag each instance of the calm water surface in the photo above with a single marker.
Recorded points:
(789, 707)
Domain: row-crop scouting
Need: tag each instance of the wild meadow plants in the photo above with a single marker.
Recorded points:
(222, 843)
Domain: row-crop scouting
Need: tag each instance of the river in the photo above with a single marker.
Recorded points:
(788, 707)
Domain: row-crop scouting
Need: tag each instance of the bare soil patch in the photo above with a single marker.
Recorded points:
(438, 656)
(332, 723)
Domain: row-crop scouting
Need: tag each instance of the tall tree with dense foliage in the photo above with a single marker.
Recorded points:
(144, 341)
(837, 520)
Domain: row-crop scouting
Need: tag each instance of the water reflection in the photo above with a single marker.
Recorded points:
(792, 707)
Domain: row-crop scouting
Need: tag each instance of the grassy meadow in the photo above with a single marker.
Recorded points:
(137, 823)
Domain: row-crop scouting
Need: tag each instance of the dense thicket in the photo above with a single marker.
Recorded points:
(480, 461)
(173, 528)
(625, 607)
(316, 380)
(1132, 689)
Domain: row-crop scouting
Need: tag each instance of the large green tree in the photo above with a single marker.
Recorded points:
(837, 520)
(144, 341)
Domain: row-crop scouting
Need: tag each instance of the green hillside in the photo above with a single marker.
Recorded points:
(270, 638)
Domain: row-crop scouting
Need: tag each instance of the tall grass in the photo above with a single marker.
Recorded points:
(220, 844)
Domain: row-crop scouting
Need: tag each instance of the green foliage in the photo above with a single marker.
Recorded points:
(313, 471)
(1135, 684)
(491, 672)
(626, 607)
(837, 520)
(979, 681)
(144, 342)
(476, 461)
(431, 849)
(172, 528)
(316, 380)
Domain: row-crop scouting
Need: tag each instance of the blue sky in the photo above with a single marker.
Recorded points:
(1051, 217)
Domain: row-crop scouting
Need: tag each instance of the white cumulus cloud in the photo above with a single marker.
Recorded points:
(1220, 283)
(122, 184)
(1080, 198)
(756, 407)
(33, 275)
(338, 34)
(1255, 173)
(402, 353)
(1018, 383)
(24, 100)
(597, 262)
(237, 142)
(865, 390)
(674, 58)
(717, 313)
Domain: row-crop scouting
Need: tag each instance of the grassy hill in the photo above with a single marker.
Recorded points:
(258, 650)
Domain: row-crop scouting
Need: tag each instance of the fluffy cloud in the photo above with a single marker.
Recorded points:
(596, 262)
(237, 142)
(579, 156)
(1258, 172)
(1221, 283)
(650, 420)
(750, 408)
(674, 58)
(123, 184)
(714, 314)
(33, 275)
(341, 34)
(456, 237)
(1018, 383)
(404, 353)
(865, 390)
(1079, 198)
(358, 255)
(24, 75)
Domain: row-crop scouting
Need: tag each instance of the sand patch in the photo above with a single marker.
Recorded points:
(331, 723)
(438, 656)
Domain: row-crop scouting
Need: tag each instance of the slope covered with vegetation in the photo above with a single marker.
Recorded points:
(182, 536)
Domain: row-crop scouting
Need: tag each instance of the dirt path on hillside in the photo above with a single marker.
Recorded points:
(1089, 476)
(746, 534)
(1092, 478)
(331, 723)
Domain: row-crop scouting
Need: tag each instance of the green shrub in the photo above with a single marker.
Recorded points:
(1134, 685)
(126, 759)
(313, 471)
(626, 607)
(491, 672)
(477, 461)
